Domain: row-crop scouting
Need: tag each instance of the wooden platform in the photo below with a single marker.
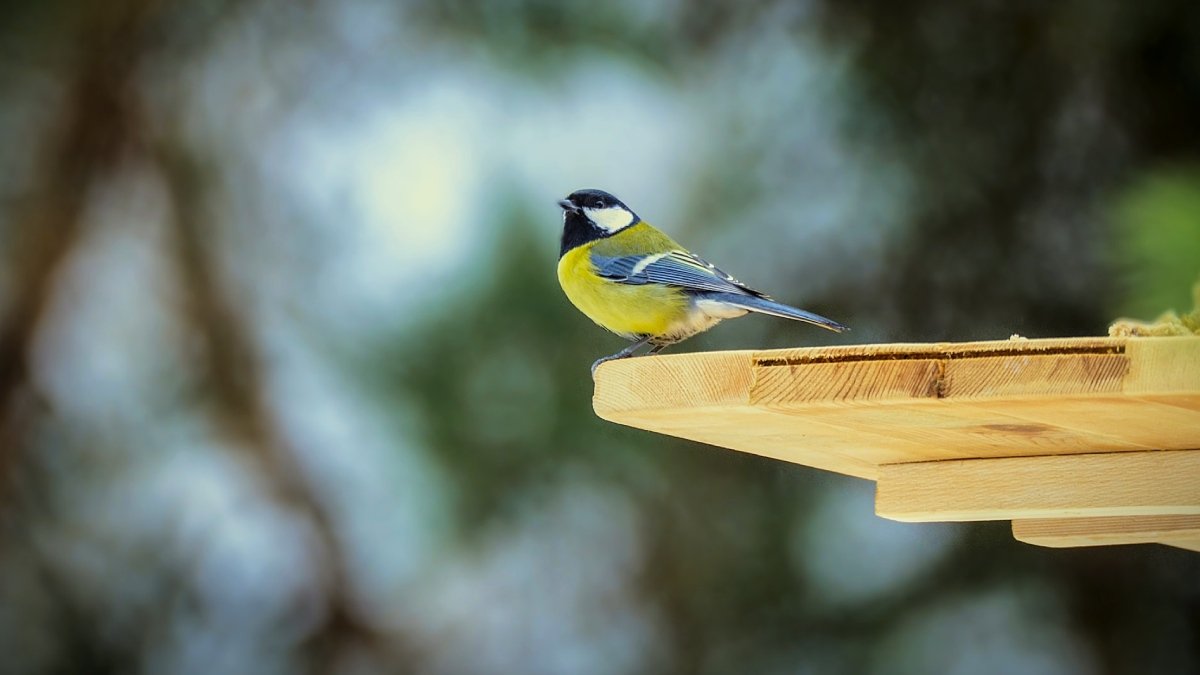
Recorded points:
(1064, 436)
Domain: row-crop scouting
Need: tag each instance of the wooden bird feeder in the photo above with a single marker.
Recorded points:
(1079, 441)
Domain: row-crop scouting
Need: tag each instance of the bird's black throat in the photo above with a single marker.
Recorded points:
(577, 231)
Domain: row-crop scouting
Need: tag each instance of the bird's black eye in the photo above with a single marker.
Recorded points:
(599, 203)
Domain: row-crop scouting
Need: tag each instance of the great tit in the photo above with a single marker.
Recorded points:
(635, 281)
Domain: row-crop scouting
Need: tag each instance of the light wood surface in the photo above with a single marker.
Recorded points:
(852, 409)
(911, 415)
(1181, 531)
(1074, 486)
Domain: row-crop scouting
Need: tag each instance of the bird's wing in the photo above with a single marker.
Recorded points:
(676, 268)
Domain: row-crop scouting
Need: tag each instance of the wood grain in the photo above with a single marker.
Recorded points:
(670, 383)
(1111, 484)
(1013, 429)
(855, 408)
(1053, 374)
(1162, 365)
(1182, 531)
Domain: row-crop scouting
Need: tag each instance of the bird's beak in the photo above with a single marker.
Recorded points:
(568, 206)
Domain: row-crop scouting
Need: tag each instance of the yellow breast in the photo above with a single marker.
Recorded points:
(624, 309)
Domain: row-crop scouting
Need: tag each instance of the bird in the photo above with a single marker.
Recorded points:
(633, 280)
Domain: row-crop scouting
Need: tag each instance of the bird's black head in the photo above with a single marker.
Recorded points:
(590, 199)
(592, 214)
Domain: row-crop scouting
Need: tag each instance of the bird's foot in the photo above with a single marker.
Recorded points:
(624, 353)
(606, 359)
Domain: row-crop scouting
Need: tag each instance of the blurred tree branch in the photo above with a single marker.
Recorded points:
(236, 376)
(86, 141)
(102, 122)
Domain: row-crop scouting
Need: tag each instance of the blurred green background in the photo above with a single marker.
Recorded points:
(288, 385)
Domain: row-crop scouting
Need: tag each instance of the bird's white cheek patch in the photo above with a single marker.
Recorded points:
(611, 219)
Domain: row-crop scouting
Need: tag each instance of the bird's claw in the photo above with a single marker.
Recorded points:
(623, 354)
(604, 359)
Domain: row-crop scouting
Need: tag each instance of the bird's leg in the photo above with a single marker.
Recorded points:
(624, 353)
(658, 348)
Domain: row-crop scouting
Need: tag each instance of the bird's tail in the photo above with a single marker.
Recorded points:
(764, 306)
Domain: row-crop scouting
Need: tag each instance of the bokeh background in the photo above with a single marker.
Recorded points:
(288, 386)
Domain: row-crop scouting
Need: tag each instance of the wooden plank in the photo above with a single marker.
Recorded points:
(1083, 433)
(673, 382)
(1105, 423)
(753, 431)
(844, 381)
(949, 430)
(1111, 484)
(1040, 375)
(856, 408)
(1068, 532)
(1162, 365)
(706, 400)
